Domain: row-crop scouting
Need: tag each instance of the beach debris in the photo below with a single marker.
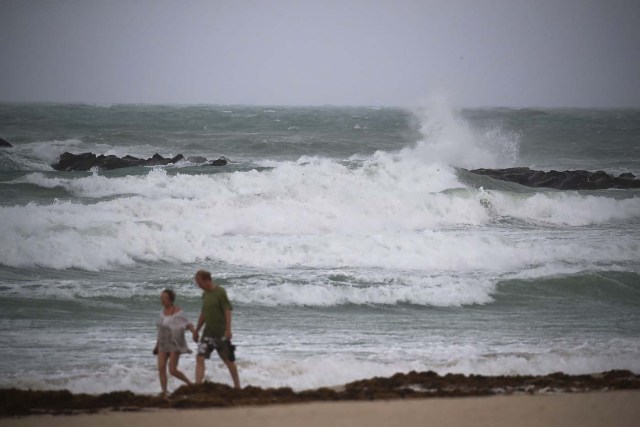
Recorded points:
(412, 385)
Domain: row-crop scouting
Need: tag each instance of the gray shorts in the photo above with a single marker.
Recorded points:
(222, 346)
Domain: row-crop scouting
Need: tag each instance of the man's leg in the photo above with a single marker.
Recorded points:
(233, 370)
(199, 369)
(227, 354)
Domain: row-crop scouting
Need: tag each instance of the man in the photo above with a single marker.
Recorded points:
(216, 317)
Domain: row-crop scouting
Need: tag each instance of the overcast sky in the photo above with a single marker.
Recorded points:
(393, 52)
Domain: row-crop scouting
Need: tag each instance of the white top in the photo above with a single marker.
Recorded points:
(171, 332)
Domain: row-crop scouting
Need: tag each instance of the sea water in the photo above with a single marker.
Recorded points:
(351, 241)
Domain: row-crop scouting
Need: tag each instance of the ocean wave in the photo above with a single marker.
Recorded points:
(281, 289)
(558, 208)
(406, 210)
(343, 287)
(322, 214)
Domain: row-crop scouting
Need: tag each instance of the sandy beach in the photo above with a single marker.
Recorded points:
(616, 408)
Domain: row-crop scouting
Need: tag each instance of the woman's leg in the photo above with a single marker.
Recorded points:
(174, 359)
(162, 371)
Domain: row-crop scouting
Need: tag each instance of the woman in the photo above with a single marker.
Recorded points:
(171, 343)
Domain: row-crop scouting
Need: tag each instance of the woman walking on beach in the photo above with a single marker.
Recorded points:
(171, 343)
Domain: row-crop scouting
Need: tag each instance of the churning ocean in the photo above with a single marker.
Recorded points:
(349, 239)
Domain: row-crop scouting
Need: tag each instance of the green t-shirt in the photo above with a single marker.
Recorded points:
(214, 304)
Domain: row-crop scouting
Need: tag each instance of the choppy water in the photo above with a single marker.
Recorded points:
(348, 238)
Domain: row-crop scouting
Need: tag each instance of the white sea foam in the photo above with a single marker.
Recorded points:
(385, 214)
(40, 155)
(345, 365)
(569, 209)
(48, 151)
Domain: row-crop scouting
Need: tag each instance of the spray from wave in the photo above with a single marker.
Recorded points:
(448, 139)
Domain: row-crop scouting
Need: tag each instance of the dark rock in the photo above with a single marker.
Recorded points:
(548, 182)
(196, 159)
(536, 176)
(157, 160)
(65, 160)
(75, 162)
(4, 143)
(600, 182)
(219, 162)
(177, 158)
(520, 178)
(626, 183)
(115, 162)
(85, 161)
(562, 180)
(570, 182)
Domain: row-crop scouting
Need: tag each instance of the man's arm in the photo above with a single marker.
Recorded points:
(196, 330)
(227, 316)
(200, 322)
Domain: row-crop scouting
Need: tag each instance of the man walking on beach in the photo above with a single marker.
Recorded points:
(216, 317)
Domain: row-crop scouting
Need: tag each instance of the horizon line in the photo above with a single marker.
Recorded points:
(326, 105)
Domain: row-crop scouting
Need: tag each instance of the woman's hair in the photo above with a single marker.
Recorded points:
(203, 274)
(171, 294)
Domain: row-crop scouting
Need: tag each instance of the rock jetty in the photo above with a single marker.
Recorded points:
(86, 161)
(562, 180)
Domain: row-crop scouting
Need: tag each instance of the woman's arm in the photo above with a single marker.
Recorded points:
(155, 349)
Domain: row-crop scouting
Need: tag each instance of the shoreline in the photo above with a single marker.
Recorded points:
(402, 386)
(612, 408)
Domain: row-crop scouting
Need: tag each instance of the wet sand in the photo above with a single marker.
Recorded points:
(613, 408)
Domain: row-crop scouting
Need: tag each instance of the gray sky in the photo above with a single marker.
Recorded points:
(393, 52)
